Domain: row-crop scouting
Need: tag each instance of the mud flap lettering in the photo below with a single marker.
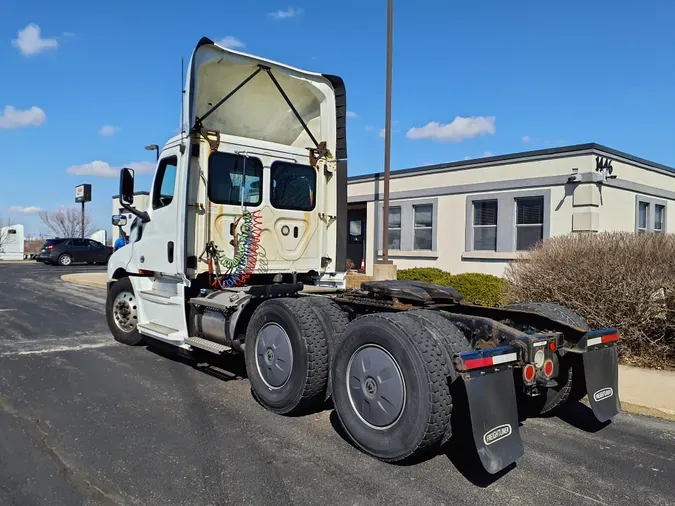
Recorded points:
(494, 419)
(601, 368)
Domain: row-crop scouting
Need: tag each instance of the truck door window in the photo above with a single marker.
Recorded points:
(164, 187)
(293, 186)
(229, 184)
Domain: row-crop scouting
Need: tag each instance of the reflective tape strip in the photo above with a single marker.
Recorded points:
(609, 338)
(502, 359)
(593, 341)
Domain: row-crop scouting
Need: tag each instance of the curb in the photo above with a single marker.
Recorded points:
(663, 414)
(636, 409)
(85, 280)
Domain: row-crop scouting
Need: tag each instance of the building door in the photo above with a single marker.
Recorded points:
(356, 240)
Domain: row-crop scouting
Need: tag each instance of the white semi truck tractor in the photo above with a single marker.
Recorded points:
(242, 250)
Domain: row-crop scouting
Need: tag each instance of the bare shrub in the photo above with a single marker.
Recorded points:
(613, 279)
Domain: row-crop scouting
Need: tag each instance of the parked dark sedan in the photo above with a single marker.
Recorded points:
(69, 251)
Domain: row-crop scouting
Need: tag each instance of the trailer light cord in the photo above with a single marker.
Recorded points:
(239, 268)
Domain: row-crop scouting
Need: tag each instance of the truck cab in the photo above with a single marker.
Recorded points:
(258, 139)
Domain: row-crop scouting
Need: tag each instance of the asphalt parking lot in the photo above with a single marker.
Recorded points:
(85, 420)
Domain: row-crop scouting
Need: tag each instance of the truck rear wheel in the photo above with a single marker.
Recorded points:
(121, 313)
(334, 321)
(287, 356)
(451, 339)
(390, 388)
(571, 385)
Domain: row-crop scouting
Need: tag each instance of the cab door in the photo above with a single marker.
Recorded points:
(157, 250)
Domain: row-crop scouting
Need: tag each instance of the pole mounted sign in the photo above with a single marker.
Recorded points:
(83, 193)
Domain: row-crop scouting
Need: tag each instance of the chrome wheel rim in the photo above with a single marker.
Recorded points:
(124, 311)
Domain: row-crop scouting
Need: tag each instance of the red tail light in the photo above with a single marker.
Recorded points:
(528, 373)
(51, 247)
(548, 368)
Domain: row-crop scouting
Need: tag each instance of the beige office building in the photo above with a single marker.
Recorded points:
(476, 215)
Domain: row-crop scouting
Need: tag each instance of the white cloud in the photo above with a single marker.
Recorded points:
(108, 130)
(459, 129)
(467, 158)
(231, 42)
(368, 128)
(16, 118)
(488, 153)
(526, 138)
(99, 168)
(286, 14)
(30, 42)
(352, 114)
(24, 210)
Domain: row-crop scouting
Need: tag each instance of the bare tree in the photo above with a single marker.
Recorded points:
(4, 232)
(67, 222)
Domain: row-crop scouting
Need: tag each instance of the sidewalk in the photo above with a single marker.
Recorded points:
(95, 279)
(641, 391)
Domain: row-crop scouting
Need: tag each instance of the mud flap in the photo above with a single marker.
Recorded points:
(601, 368)
(494, 418)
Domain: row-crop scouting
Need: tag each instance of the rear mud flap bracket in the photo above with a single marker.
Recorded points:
(494, 418)
(601, 369)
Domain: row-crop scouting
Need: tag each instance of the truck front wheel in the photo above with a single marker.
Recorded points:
(121, 312)
(390, 387)
(287, 356)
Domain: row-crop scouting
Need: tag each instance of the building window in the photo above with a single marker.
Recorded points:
(485, 225)
(293, 186)
(502, 223)
(394, 228)
(643, 217)
(650, 215)
(659, 215)
(529, 222)
(423, 227)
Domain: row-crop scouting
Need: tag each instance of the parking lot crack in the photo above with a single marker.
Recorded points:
(67, 467)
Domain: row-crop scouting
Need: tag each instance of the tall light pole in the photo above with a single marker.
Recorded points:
(387, 133)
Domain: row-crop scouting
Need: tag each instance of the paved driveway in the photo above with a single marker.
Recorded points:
(84, 420)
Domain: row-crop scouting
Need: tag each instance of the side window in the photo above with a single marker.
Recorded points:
(77, 242)
(293, 186)
(165, 182)
(235, 179)
(94, 244)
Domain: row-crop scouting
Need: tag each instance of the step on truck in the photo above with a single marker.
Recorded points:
(242, 250)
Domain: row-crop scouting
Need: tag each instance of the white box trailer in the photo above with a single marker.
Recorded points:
(12, 242)
(242, 250)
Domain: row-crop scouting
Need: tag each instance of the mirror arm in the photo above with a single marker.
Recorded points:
(144, 216)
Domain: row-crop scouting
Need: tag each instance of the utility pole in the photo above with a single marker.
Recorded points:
(387, 133)
(82, 219)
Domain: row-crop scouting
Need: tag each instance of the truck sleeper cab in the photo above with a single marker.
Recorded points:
(242, 249)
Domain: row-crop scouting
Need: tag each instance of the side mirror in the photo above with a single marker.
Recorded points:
(127, 186)
(119, 220)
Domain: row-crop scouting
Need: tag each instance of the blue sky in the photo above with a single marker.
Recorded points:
(92, 82)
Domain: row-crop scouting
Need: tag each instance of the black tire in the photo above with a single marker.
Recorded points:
(568, 367)
(129, 337)
(419, 426)
(65, 260)
(334, 321)
(451, 339)
(304, 388)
